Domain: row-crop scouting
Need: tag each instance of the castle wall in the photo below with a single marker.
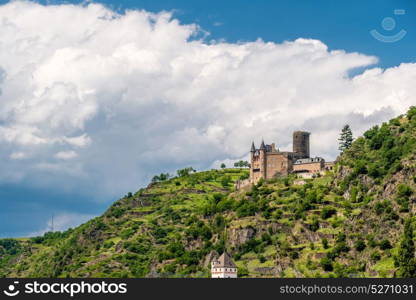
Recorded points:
(277, 164)
(223, 272)
(255, 170)
(329, 165)
(312, 167)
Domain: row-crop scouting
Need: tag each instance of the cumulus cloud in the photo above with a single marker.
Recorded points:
(66, 155)
(99, 101)
(17, 155)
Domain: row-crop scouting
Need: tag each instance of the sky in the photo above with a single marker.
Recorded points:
(97, 97)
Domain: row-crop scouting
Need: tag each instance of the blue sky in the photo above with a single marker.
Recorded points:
(29, 202)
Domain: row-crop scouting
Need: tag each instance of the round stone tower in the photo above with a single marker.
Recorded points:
(301, 143)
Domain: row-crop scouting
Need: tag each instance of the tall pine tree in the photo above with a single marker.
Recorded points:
(345, 139)
(405, 259)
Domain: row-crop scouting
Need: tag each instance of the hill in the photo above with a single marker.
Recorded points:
(347, 223)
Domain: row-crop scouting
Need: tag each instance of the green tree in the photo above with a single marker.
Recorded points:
(185, 171)
(161, 177)
(345, 139)
(242, 164)
(405, 259)
(223, 166)
(411, 113)
(164, 176)
(225, 181)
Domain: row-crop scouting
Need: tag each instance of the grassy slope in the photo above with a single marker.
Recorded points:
(346, 223)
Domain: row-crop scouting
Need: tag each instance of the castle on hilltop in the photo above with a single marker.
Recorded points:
(268, 162)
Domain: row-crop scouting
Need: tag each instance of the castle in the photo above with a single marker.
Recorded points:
(267, 162)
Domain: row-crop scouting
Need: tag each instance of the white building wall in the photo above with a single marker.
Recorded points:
(223, 272)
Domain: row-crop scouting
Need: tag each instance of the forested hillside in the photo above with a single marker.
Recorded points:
(356, 221)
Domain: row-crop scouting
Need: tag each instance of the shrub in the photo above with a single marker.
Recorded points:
(225, 204)
(117, 212)
(171, 268)
(225, 181)
(325, 243)
(341, 237)
(371, 242)
(242, 272)
(314, 225)
(379, 208)
(326, 264)
(404, 190)
(374, 171)
(108, 244)
(37, 240)
(294, 255)
(404, 203)
(385, 244)
(266, 238)
(247, 209)
(359, 245)
(278, 214)
(10, 245)
(327, 212)
(199, 229)
(250, 245)
(127, 233)
(219, 222)
(375, 256)
(360, 168)
(340, 247)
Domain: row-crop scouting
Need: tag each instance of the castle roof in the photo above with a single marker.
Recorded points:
(253, 148)
(225, 261)
(262, 146)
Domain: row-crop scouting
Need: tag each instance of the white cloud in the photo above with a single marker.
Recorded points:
(66, 155)
(77, 141)
(18, 155)
(131, 95)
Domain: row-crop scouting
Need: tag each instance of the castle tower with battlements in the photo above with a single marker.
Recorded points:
(301, 143)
